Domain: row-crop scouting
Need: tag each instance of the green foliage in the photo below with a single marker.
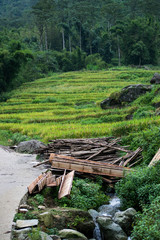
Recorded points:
(17, 138)
(94, 62)
(140, 187)
(143, 112)
(39, 198)
(35, 234)
(85, 195)
(148, 140)
(52, 231)
(24, 216)
(147, 223)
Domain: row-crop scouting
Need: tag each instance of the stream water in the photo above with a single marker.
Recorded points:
(105, 210)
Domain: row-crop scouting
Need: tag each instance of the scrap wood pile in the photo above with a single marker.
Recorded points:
(85, 158)
(106, 150)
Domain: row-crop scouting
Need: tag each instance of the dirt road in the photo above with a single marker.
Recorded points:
(16, 173)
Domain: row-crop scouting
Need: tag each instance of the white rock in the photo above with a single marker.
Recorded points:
(26, 223)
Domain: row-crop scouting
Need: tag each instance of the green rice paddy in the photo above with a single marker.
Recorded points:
(67, 105)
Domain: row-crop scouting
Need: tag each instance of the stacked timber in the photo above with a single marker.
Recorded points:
(87, 166)
(106, 150)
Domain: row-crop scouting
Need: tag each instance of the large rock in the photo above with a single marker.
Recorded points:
(61, 218)
(29, 146)
(71, 234)
(111, 208)
(21, 234)
(155, 79)
(26, 223)
(125, 219)
(126, 95)
(110, 230)
(45, 236)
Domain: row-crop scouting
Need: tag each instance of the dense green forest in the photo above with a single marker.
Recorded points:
(71, 35)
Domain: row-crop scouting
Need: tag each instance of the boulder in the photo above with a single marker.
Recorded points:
(126, 95)
(110, 209)
(125, 219)
(26, 223)
(21, 234)
(29, 146)
(71, 234)
(55, 237)
(155, 79)
(45, 236)
(93, 213)
(62, 218)
(110, 230)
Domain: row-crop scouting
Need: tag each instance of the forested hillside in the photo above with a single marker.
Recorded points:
(72, 35)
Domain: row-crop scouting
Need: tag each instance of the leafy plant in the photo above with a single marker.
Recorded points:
(35, 234)
(85, 195)
(140, 187)
(39, 198)
(147, 224)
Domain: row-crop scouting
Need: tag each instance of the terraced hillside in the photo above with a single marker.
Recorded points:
(67, 105)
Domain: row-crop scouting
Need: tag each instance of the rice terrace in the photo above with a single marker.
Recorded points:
(67, 105)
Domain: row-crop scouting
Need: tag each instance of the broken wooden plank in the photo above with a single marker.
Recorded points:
(38, 184)
(66, 185)
(32, 187)
(87, 166)
(155, 159)
(51, 180)
(63, 177)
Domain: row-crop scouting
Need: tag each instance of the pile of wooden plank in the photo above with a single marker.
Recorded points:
(106, 150)
(49, 180)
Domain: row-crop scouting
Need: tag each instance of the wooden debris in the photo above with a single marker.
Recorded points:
(96, 149)
(33, 186)
(45, 179)
(134, 156)
(155, 159)
(86, 166)
(66, 185)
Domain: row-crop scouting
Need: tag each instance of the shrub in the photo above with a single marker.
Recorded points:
(85, 195)
(39, 198)
(139, 187)
(143, 112)
(17, 138)
(147, 224)
(148, 140)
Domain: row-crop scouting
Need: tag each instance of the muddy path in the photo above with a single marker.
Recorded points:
(16, 173)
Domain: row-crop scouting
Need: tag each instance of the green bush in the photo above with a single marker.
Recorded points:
(148, 140)
(39, 198)
(140, 187)
(85, 195)
(144, 112)
(35, 234)
(17, 138)
(148, 223)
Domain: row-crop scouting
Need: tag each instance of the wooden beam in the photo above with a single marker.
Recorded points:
(86, 166)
